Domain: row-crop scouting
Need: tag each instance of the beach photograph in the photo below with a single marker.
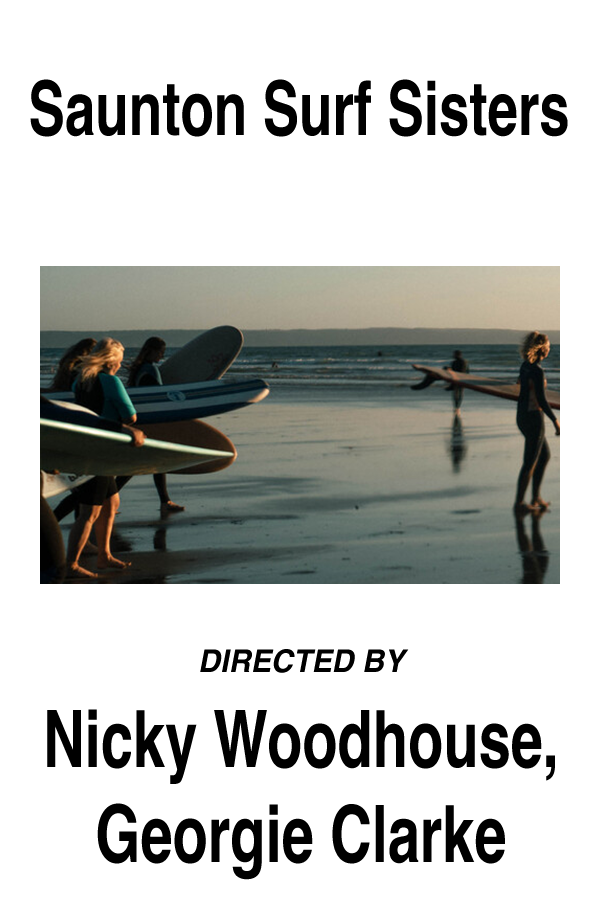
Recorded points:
(300, 425)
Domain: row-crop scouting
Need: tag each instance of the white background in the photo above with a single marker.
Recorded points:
(474, 656)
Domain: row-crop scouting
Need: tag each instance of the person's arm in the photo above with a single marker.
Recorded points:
(540, 393)
(120, 399)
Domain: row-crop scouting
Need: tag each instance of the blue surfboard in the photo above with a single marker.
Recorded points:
(178, 402)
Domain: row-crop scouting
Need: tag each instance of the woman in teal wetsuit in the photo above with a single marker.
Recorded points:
(144, 371)
(532, 405)
(98, 388)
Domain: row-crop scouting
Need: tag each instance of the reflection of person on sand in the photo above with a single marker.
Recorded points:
(531, 407)
(144, 371)
(533, 550)
(457, 445)
(98, 388)
(458, 364)
(70, 360)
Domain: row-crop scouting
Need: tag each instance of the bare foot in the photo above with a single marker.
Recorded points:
(170, 507)
(77, 571)
(538, 503)
(111, 562)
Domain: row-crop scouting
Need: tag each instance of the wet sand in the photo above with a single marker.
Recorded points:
(327, 489)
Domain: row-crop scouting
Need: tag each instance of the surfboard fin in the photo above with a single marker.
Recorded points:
(429, 379)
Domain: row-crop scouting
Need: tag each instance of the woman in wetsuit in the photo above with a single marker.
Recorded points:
(144, 371)
(98, 388)
(531, 407)
(67, 367)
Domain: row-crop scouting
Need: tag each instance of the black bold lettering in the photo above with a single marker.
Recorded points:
(240, 726)
(279, 107)
(519, 743)
(496, 746)
(117, 809)
(497, 838)
(448, 104)
(551, 113)
(54, 726)
(186, 115)
(351, 809)
(496, 113)
(86, 113)
(408, 108)
(44, 107)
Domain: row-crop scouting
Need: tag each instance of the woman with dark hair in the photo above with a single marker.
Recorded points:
(70, 360)
(144, 371)
(531, 407)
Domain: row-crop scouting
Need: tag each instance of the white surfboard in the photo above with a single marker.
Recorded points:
(90, 451)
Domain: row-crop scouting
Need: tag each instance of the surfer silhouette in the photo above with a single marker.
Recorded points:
(458, 364)
(532, 405)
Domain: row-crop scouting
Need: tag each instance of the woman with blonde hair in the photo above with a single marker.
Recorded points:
(98, 388)
(144, 371)
(531, 407)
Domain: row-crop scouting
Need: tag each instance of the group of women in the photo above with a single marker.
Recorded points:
(89, 369)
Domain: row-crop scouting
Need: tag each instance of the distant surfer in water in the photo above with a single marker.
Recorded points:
(144, 371)
(531, 407)
(70, 360)
(98, 388)
(458, 364)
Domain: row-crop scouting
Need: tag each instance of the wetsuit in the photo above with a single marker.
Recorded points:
(106, 396)
(531, 406)
(148, 375)
(459, 364)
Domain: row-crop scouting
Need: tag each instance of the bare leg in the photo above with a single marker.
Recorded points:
(166, 504)
(104, 527)
(532, 430)
(78, 538)
(538, 474)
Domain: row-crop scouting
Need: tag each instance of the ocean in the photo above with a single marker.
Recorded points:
(361, 368)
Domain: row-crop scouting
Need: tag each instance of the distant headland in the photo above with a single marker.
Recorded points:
(307, 337)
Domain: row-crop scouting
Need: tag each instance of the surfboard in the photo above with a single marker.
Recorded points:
(68, 447)
(178, 402)
(492, 386)
(195, 433)
(59, 483)
(205, 358)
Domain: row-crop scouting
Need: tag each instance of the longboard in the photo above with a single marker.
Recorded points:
(204, 358)
(68, 447)
(178, 402)
(195, 433)
(492, 386)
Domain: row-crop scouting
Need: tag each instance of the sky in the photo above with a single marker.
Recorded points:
(257, 297)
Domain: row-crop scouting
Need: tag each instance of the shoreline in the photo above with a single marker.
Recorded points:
(331, 492)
